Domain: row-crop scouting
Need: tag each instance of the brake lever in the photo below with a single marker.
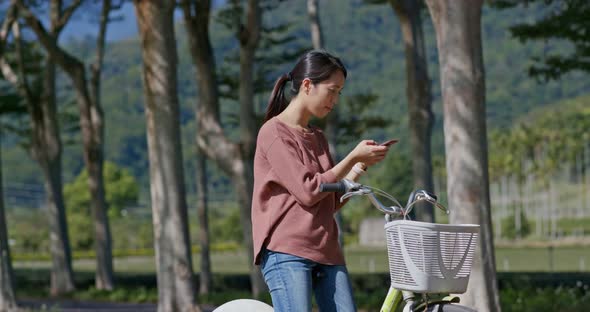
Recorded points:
(354, 193)
(433, 200)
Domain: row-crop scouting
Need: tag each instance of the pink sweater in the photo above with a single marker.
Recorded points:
(289, 214)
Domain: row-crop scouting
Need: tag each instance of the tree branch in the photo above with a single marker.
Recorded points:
(23, 84)
(67, 14)
(6, 24)
(96, 68)
(66, 61)
(7, 72)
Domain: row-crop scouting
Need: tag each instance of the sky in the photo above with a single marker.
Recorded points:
(81, 26)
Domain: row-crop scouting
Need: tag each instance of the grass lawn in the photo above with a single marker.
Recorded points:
(362, 260)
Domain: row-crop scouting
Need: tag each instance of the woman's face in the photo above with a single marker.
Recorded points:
(323, 96)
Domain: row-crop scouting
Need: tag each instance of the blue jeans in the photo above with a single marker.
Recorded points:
(291, 280)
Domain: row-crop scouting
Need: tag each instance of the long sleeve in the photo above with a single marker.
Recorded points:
(300, 179)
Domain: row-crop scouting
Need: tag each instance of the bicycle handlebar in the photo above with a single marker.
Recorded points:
(350, 188)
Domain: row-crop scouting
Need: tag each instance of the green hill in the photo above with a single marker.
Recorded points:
(366, 37)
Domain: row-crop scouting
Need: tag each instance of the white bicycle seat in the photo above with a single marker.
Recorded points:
(244, 305)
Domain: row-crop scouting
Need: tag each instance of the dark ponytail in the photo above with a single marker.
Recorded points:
(277, 102)
(316, 65)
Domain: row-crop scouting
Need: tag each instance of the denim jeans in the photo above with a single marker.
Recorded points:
(292, 279)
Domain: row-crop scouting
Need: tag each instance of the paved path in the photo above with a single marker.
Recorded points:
(91, 306)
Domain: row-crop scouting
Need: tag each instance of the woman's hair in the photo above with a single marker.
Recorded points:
(316, 65)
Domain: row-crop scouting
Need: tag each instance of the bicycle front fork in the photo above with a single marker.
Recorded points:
(394, 298)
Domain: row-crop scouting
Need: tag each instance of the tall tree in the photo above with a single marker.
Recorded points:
(458, 36)
(234, 159)
(155, 21)
(91, 123)
(317, 39)
(7, 297)
(560, 21)
(421, 118)
(46, 146)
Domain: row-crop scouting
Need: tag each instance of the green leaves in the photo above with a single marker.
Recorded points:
(543, 142)
(561, 22)
(121, 190)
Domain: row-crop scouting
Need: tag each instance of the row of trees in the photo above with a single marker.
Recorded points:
(169, 208)
(457, 25)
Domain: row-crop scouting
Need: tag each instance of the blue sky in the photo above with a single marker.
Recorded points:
(81, 26)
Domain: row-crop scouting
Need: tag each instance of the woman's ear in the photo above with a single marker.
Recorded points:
(306, 85)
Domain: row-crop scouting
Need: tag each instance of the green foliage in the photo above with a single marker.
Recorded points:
(560, 22)
(366, 37)
(80, 227)
(544, 293)
(547, 138)
(132, 232)
(29, 232)
(563, 299)
(574, 226)
(121, 190)
(509, 229)
(226, 226)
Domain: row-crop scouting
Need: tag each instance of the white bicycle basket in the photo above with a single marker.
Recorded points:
(429, 257)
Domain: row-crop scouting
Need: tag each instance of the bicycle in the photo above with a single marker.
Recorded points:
(424, 258)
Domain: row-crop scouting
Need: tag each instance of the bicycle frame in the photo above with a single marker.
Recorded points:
(392, 300)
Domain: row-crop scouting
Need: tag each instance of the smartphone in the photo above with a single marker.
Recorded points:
(389, 142)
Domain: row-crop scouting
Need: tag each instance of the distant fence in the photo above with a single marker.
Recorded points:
(24, 195)
(32, 196)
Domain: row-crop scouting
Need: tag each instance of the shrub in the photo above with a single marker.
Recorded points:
(509, 229)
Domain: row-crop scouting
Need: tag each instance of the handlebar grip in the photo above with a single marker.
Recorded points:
(333, 187)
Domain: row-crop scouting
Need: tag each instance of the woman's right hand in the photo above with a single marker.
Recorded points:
(369, 152)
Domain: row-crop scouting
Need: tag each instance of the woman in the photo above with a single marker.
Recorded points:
(295, 236)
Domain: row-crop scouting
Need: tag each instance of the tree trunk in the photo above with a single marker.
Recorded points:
(91, 124)
(458, 34)
(171, 233)
(104, 277)
(46, 151)
(421, 118)
(244, 174)
(317, 39)
(7, 298)
(233, 159)
(205, 276)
